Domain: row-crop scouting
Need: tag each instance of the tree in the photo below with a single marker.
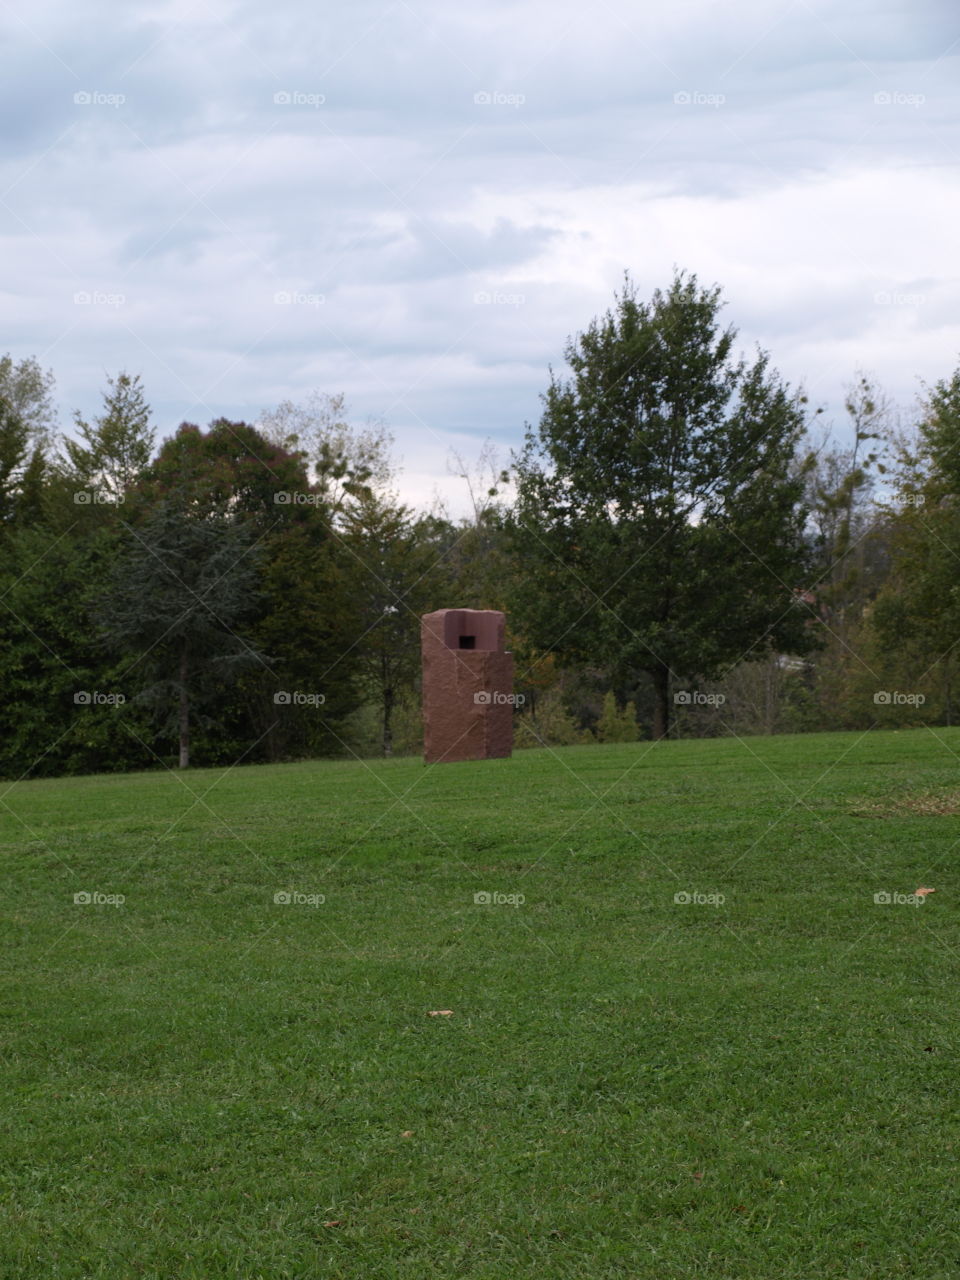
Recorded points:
(840, 484)
(396, 579)
(233, 468)
(346, 461)
(477, 559)
(850, 550)
(307, 611)
(29, 391)
(616, 725)
(14, 460)
(179, 598)
(916, 618)
(659, 516)
(306, 625)
(548, 722)
(484, 480)
(118, 444)
(55, 663)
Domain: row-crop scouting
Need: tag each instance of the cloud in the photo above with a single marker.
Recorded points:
(445, 194)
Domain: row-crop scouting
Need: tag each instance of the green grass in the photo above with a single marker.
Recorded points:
(199, 1081)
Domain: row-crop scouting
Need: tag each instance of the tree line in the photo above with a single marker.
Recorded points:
(680, 546)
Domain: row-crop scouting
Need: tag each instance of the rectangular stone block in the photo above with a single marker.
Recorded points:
(467, 686)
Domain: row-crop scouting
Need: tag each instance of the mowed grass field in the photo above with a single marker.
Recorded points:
(203, 1082)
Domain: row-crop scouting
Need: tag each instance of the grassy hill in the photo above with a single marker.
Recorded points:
(203, 1081)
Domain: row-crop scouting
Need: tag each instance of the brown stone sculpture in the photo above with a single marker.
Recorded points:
(467, 686)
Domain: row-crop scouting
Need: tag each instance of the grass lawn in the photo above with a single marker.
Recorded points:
(201, 1082)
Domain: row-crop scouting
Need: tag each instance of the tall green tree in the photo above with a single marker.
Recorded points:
(306, 614)
(115, 448)
(180, 597)
(659, 516)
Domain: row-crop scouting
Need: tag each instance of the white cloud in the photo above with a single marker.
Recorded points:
(457, 243)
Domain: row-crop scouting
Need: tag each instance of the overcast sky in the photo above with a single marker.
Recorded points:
(416, 203)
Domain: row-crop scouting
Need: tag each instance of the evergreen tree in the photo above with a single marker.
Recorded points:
(178, 602)
(64, 705)
(117, 445)
(306, 617)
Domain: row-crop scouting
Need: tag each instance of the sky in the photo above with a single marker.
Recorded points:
(417, 204)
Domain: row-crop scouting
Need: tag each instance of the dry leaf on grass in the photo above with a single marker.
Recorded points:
(922, 893)
(440, 1013)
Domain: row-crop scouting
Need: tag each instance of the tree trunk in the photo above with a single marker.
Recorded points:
(661, 701)
(947, 700)
(184, 711)
(388, 701)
